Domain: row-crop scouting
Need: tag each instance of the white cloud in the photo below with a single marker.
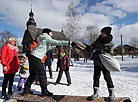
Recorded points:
(128, 32)
(51, 13)
(107, 10)
(98, 20)
(130, 6)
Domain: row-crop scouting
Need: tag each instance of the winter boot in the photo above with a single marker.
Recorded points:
(31, 92)
(4, 96)
(26, 90)
(45, 92)
(10, 92)
(111, 96)
(95, 95)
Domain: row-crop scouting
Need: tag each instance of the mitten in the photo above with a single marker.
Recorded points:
(73, 44)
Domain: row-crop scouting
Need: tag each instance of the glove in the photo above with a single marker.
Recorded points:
(73, 44)
(4, 68)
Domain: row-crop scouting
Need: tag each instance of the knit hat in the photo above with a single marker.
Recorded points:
(61, 50)
(106, 30)
(46, 30)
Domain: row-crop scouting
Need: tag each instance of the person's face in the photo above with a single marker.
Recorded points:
(103, 34)
(37, 39)
(13, 42)
(61, 53)
(50, 34)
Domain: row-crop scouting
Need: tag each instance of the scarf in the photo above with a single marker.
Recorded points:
(105, 40)
(11, 46)
(62, 55)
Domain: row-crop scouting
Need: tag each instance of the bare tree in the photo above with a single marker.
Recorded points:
(134, 42)
(72, 27)
(4, 36)
(92, 33)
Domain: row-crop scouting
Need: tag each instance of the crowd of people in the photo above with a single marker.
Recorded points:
(33, 65)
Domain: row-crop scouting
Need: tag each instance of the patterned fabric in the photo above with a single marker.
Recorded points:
(64, 63)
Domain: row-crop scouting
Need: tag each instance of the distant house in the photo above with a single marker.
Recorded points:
(31, 33)
(128, 50)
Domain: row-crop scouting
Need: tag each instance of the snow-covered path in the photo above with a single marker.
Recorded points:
(125, 82)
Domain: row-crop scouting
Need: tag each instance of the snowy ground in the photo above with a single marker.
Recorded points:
(125, 82)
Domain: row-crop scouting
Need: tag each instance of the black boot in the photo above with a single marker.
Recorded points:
(4, 96)
(95, 95)
(31, 92)
(45, 92)
(49, 93)
(10, 92)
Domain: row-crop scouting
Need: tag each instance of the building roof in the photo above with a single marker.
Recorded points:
(32, 31)
(124, 46)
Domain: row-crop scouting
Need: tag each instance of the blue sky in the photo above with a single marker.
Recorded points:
(121, 15)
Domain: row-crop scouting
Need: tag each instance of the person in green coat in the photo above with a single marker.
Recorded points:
(45, 44)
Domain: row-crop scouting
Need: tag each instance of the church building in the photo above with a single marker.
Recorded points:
(32, 31)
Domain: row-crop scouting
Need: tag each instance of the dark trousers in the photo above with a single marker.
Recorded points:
(36, 69)
(67, 75)
(10, 78)
(36, 77)
(50, 70)
(106, 74)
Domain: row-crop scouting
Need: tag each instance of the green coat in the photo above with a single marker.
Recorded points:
(44, 45)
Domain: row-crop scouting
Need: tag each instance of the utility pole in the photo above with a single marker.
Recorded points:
(122, 48)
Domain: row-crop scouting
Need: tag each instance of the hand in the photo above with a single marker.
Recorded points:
(4, 68)
(73, 44)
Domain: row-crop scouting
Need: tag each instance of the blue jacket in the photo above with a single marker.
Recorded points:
(44, 45)
(49, 58)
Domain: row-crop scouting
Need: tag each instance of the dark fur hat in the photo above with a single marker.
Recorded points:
(46, 30)
(106, 30)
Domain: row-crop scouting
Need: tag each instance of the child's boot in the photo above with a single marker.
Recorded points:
(10, 92)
